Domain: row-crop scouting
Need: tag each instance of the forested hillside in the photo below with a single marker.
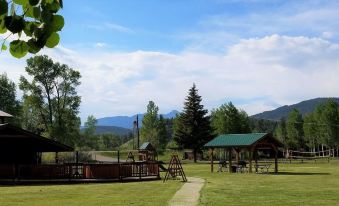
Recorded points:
(303, 107)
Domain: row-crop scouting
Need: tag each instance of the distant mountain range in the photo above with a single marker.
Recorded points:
(111, 129)
(304, 107)
(127, 121)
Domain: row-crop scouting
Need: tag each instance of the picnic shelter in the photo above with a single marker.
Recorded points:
(251, 143)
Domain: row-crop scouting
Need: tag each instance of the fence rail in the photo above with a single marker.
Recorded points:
(70, 171)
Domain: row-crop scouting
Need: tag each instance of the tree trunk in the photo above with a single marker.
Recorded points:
(195, 155)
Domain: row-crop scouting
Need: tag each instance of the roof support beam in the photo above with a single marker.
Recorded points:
(230, 159)
(211, 156)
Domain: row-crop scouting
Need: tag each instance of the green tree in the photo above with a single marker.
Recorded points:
(295, 136)
(38, 19)
(150, 125)
(329, 121)
(162, 132)
(8, 101)
(310, 131)
(89, 139)
(193, 128)
(281, 132)
(262, 125)
(52, 94)
(227, 119)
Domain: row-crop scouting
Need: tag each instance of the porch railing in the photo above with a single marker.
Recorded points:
(80, 171)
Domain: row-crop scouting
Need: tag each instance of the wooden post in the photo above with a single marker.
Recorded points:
(250, 157)
(212, 166)
(275, 160)
(56, 158)
(230, 160)
(237, 155)
(118, 156)
(256, 161)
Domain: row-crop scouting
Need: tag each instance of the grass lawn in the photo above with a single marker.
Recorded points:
(297, 184)
(136, 193)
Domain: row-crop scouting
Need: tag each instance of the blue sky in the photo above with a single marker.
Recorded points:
(166, 25)
(257, 53)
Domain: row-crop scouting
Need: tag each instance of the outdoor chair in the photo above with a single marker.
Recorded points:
(242, 167)
(221, 165)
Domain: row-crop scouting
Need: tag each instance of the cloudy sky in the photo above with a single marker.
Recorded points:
(259, 54)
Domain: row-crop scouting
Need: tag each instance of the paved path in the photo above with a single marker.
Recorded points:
(188, 194)
(102, 158)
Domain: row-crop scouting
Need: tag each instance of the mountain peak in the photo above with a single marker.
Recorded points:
(304, 107)
(127, 121)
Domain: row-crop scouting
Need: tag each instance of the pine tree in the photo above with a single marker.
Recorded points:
(193, 128)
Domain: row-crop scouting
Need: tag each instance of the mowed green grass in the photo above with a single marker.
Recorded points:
(136, 193)
(297, 184)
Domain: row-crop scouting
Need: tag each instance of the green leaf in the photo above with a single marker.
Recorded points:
(33, 12)
(20, 2)
(57, 23)
(14, 23)
(60, 2)
(3, 7)
(36, 12)
(29, 28)
(53, 40)
(3, 28)
(32, 46)
(53, 7)
(18, 48)
(3, 47)
(34, 2)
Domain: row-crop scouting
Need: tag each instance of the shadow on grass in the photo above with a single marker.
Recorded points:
(303, 173)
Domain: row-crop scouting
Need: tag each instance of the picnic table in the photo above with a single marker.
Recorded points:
(263, 168)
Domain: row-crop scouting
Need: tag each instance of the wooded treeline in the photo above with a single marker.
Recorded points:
(315, 131)
(50, 107)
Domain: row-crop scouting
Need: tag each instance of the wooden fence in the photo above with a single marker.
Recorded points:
(117, 171)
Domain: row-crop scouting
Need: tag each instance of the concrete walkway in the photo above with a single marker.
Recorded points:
(189, 193)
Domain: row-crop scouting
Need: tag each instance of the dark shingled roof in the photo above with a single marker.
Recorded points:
(15, 138)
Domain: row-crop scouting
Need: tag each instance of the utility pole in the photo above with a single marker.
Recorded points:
(136, 125)
(138, 131)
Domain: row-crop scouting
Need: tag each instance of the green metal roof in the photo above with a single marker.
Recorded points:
(227, 140)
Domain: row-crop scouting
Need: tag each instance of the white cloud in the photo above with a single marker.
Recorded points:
(100, 44)
(281, 69)
(314, 18)
(111, 26)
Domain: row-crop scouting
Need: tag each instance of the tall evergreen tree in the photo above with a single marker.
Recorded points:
(193, 128)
